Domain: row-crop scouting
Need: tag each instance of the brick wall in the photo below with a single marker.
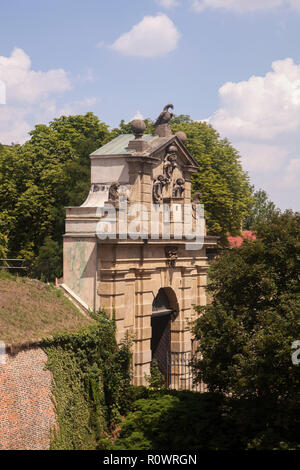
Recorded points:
(26, 409)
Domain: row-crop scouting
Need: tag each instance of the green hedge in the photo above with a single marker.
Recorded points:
(91, 384)
(168, 420)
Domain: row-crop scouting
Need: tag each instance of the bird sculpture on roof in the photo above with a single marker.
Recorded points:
(165, 116)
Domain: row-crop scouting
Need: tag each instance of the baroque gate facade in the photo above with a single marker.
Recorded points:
(151, 284)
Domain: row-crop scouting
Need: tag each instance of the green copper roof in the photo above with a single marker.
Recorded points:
(119, 145)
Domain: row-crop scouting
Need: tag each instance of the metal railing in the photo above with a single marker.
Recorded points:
(180, 373)
(33, 268)
(16, 264)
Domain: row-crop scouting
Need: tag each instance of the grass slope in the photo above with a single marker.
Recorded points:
(30, 310)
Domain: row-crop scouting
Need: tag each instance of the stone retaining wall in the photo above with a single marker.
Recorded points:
(26, 410)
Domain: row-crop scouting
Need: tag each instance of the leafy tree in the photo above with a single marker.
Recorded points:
(245, 334)
(261, 210)
(41, 177)
(205, 421)
(3, 245)
(48, 265)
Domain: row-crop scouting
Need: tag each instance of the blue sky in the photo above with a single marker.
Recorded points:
(232, 62)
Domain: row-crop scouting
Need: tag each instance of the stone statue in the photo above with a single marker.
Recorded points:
(113, 193)
(197, 198)
(170, 163)
(165, 116)
(195, 201)
(178, 187)
(171, 255)
(158, 185)
(169, 167)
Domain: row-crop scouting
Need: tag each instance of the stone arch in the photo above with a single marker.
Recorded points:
(173, 301)
(171, 297)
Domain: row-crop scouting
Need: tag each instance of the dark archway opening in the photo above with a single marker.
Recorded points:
(161, 332)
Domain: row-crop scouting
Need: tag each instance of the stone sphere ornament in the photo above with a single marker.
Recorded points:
(181, 136)
(138, 128)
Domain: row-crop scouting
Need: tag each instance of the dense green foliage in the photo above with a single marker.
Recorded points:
(91, 384)
(262, 210)
(41, 177)
(48, 265)
(3, 245)
(246, 333)
(172, 420)
(155, 380)
(52, 170)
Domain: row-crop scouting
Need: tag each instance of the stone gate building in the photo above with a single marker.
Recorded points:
(151, 283)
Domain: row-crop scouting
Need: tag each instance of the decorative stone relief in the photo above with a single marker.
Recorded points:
(171, 255)
(113, 192)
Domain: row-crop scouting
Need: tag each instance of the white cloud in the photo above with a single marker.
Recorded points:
(295, 4)
(154, 36)
(13, 125)
(242, 6)
(28, 95)
(31, 96)
(263, 157)
(26, 85)
(262, 107)
(261, 116)
(168, 3)
(2, 92)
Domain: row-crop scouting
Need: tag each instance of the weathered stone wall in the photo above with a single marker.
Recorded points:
(26, 409)
(80, 257)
